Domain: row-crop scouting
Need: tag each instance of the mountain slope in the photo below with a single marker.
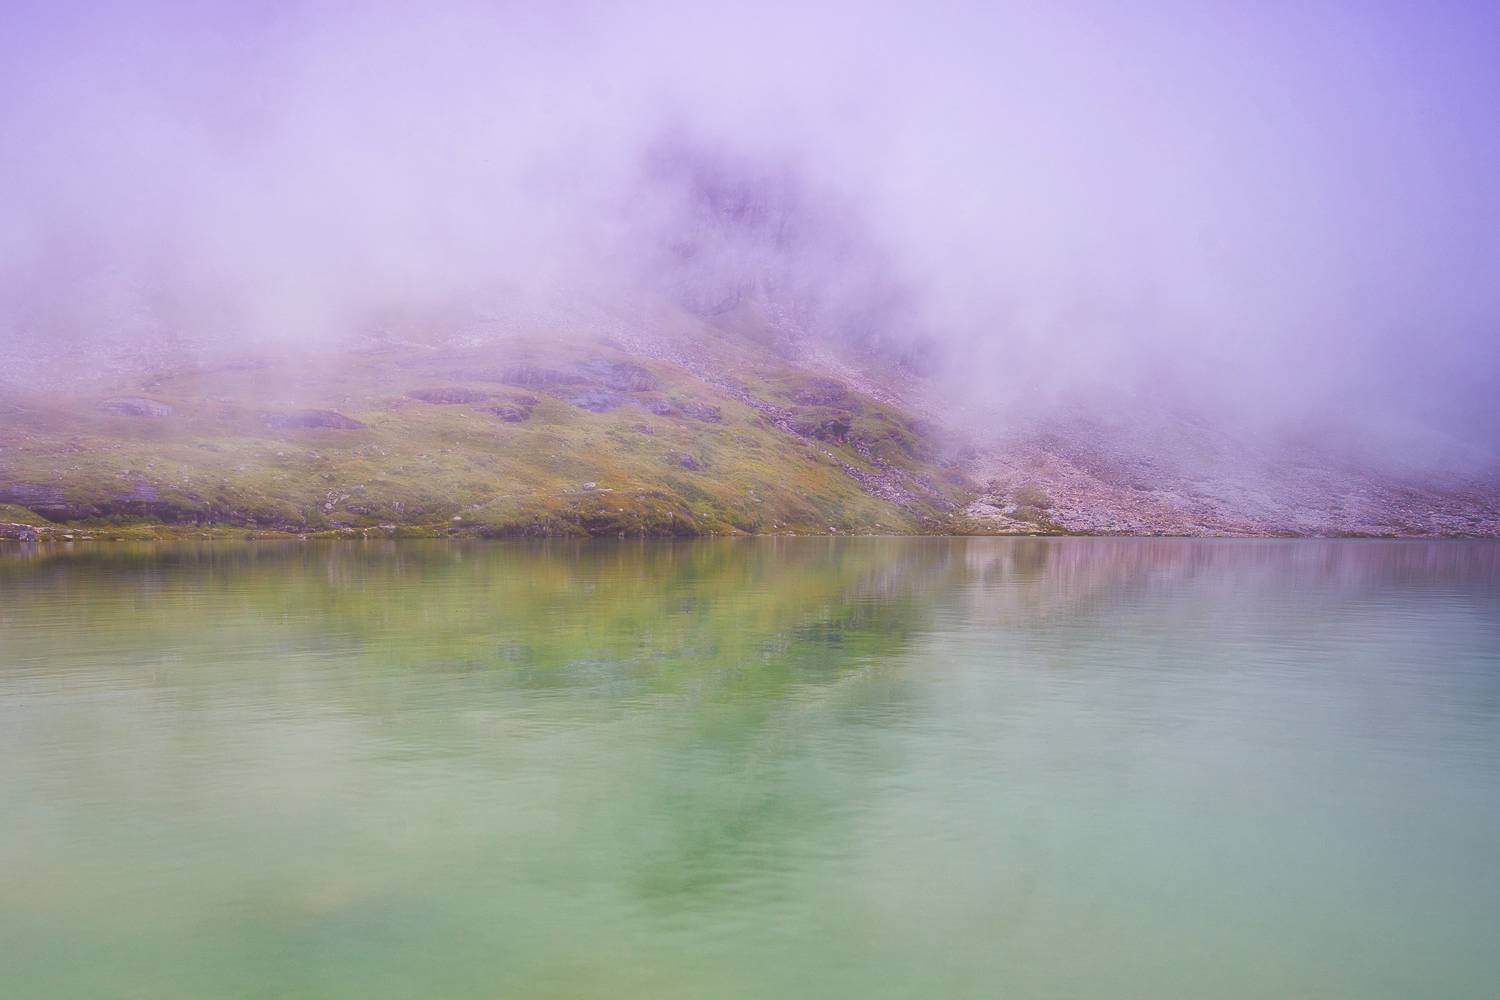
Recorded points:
(582, 426)
(1191, 479)
(724, 337)
(645, 419)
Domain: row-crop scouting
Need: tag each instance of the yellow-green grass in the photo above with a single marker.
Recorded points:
(215, 459)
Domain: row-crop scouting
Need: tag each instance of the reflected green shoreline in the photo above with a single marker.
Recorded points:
(758, 767)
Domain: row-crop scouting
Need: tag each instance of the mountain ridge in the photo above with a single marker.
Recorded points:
(644, 420)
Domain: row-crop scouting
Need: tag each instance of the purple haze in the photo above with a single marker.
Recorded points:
(1280, 213)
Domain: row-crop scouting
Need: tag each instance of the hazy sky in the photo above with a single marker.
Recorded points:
(1289, 206)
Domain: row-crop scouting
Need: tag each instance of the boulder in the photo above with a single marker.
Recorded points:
(595, 400)
(622, 376)
(822, 392)
(18, 532)
(448, 395)
(300, 419)
(834, 429)
(136, 406)
(511, 413)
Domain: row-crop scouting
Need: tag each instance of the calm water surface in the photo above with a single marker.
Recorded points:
(864, 768)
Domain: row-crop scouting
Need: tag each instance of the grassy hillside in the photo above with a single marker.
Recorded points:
(531, 434)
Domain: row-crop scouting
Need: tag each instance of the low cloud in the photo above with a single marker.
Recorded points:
(1289, 217)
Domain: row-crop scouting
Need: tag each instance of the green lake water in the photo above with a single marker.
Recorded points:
(774, 768)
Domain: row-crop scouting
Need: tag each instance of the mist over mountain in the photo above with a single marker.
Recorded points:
(1192, 269)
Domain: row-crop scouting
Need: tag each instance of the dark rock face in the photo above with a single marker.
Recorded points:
(141, 492)
(534, 377)
(148, 503)
(448, 395)
(622, 376)
(136, 406)
(595, 400)
(48, 501)
(786, 234)
(19, 532)
(822, 392)
(143, 500)
(299, 419)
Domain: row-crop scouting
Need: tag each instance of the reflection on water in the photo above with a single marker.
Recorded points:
(887, 768)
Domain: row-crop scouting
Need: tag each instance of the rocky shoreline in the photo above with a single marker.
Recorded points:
(34, 534)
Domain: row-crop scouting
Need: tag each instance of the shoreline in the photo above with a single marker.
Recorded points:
(67, 534)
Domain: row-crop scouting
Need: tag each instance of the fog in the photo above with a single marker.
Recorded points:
(1282, 215)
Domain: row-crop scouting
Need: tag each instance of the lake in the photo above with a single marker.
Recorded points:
(1125, 768)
